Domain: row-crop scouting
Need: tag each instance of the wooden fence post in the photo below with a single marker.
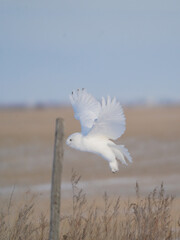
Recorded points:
(56, 181)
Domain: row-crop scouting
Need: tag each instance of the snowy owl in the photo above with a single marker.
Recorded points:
(101, 122)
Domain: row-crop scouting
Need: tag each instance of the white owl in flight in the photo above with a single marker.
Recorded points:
(100, 122)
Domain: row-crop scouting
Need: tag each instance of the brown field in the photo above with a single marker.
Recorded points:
(26, 153)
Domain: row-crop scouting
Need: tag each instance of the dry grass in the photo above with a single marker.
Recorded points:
(146, 218)
(22, 225)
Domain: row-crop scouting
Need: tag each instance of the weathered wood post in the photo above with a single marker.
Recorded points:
(56, 180)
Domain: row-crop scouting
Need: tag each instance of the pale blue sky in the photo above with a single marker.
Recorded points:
(129, 49)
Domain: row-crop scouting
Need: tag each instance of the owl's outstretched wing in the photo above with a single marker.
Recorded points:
(86, 108)
(111, 121)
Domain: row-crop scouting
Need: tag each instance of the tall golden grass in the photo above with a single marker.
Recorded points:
(144, 218)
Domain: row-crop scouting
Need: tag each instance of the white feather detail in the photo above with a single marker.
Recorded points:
(86, 109)
(110, 121)
(121, 152)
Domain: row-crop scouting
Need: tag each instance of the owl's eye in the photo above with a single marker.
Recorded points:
(70, 139)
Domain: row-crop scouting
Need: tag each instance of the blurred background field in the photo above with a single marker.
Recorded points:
(26, 153)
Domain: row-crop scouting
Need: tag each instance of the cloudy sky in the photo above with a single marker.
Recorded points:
(124, 48)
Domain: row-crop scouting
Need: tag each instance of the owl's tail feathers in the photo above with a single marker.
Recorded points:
(121, 153)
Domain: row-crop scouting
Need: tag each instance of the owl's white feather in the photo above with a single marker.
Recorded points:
(86, 108)
(110, 121)
(100, 122)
